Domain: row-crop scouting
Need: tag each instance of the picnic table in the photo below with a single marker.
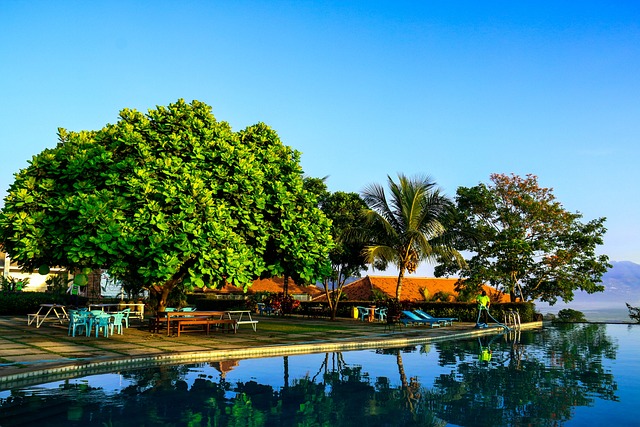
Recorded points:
(43, 314)
(242, 317)
(179, 319)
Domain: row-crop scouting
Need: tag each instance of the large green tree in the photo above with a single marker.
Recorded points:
(347, 260)
(172, 197)
(345, 212)
(522, 240)
(407, 227)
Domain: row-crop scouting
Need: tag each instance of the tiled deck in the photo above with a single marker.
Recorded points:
(29, 354)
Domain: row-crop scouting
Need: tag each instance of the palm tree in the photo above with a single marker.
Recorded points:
(407, 228)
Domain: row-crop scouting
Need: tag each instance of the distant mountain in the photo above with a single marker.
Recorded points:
(624, 274)
(621, 282)
(622, 285)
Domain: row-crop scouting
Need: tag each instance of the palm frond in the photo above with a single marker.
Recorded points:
(407, 227)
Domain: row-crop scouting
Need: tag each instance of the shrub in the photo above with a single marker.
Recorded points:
(58, 284)
(568, 315)
(20, 303)
(634, 312)
(11, 284)
(285, 303)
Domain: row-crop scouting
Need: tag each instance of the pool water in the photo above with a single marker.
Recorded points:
(570, 375)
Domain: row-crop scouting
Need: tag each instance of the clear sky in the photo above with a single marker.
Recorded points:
(364, 89)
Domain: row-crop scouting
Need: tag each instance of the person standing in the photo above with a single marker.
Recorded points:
(74, 290)
(483, 308)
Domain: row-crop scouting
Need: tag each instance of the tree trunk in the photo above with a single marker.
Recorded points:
(406, 387)
(285, 361)
(168, 286)
(164, 296)
(334, 308)
(512, 288)
(399, 284)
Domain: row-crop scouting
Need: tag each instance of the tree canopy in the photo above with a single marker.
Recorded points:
(172, 196)
(523, 241)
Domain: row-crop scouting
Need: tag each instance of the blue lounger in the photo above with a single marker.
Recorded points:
(444, 320)
(412, 319)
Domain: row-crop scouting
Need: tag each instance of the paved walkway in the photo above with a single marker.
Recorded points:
(32, 355)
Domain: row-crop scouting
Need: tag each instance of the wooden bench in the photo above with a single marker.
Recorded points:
(181, 323)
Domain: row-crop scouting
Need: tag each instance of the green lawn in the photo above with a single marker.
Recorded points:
(297, 326)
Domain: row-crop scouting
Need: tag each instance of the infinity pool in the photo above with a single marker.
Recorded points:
(573, 375)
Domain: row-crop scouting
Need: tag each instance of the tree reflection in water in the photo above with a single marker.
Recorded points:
(538, 382)
(537, 379)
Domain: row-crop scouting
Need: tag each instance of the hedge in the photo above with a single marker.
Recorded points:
(22, 303)
(464, 311)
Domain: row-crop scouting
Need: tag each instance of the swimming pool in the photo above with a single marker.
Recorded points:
(573, 375)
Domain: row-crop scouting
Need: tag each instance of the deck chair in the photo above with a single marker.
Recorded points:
(79, 321)
(444, 320)
(125, 316)
(115, 322)
(102, 321)
(187, 310)
(363, 312)
(410, 318)
(262, 308)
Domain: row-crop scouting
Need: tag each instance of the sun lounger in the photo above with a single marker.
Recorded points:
(444, 320)
(411, 318)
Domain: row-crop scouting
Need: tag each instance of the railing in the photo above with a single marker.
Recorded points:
(512, 319)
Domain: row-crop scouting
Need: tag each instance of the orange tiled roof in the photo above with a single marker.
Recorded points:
(274, 284)
(412, 288)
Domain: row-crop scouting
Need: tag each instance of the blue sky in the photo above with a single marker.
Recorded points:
(364, 89)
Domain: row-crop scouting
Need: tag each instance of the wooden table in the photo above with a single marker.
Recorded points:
(372, 313)
(44, 311)
(174, 316)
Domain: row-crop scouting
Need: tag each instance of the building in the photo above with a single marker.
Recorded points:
(36, 281)
(414, 289)
(273, 285)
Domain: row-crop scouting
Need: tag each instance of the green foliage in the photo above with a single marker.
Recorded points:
(11, 284)
(58, 284)
(634, 312)
(524, 242)
(407, 227)
(286, 304)
(171, 197)
(568, 315)
(344, 210)
(442, 296)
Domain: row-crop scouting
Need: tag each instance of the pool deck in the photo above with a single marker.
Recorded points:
(30, 355)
